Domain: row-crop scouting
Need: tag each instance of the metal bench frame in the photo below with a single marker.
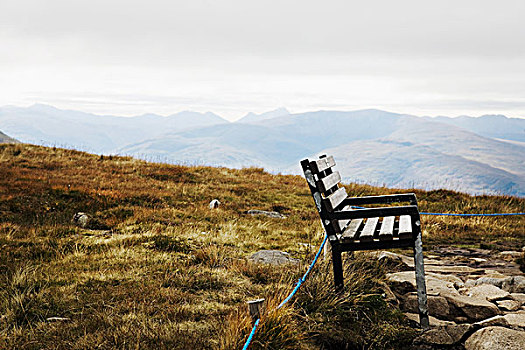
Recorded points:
(336, 212)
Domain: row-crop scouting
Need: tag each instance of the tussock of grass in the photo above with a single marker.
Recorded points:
(167, 272)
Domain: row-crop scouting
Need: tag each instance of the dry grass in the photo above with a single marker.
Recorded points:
(167, 272)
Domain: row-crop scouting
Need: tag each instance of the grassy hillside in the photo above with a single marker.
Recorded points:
(159, 269)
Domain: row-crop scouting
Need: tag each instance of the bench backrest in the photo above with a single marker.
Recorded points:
(326, 188)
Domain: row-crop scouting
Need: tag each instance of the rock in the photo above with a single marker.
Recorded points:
(273, 257)
(496, 338)
(510, 255)
(444, 335)
(519, 297)
(388, 295)
(81, 219)
(492, 321)
(508, 305)
(514, 284)
(437, 305)
(452, 269)
(516, 319)
(270, 214)
(214, 204)
(475, 309)
(488, 291)
(87, 221)
(434, 322)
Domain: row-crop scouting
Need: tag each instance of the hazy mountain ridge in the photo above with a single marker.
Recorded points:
(370, 146)
(7, 139)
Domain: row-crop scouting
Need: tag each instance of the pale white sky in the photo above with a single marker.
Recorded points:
(236, 56)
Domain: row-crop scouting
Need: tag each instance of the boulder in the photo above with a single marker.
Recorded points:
(437, 305)
(444, 335)
(273, 257)
(514, 284)
(496, 338)
(516, 319)
(475, 309)
(488, 291)
(270, 214)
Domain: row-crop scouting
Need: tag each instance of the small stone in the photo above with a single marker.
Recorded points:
(81, 219)
(270, 214)
(214, 204)
(508, 305)
(496, 338)
(273, 257)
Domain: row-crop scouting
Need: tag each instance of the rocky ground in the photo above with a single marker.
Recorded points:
(476, 298)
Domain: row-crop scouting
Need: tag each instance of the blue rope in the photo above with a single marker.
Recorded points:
(251, 334)
(297, 285)
(452, 214)
(449, 214)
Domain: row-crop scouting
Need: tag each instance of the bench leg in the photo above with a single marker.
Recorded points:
(420, 283)
(338, 269)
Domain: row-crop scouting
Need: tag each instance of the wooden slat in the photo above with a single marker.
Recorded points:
(339, 225)
(386, 232)
(322, 164)
(367, 234)
(351, 231)
(332, 201)
(328, 182)
(405, 227)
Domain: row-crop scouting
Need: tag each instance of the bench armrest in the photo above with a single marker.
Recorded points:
(386, 199)
(374, 212)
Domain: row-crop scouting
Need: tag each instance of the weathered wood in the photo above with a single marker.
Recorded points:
(386, 199)
(372, 212)
(367, 234)
(405, 227)
(256, 308)
(337, 265)
(350, 232)
(420, 282)
(332, 201)
(339, 225)
(322, 164)
(328, 182)
(386, 232)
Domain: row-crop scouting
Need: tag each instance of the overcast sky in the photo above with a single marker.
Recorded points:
(235, 56)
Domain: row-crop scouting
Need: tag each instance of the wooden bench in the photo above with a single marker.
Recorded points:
(351, 229)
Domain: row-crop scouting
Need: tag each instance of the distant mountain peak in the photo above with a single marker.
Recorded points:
(255, 118)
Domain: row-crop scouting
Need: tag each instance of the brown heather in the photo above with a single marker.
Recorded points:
(163, 271)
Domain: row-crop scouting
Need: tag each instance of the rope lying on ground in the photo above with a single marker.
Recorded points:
(297, 285)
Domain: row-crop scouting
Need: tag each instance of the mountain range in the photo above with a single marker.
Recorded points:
(475, 155)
